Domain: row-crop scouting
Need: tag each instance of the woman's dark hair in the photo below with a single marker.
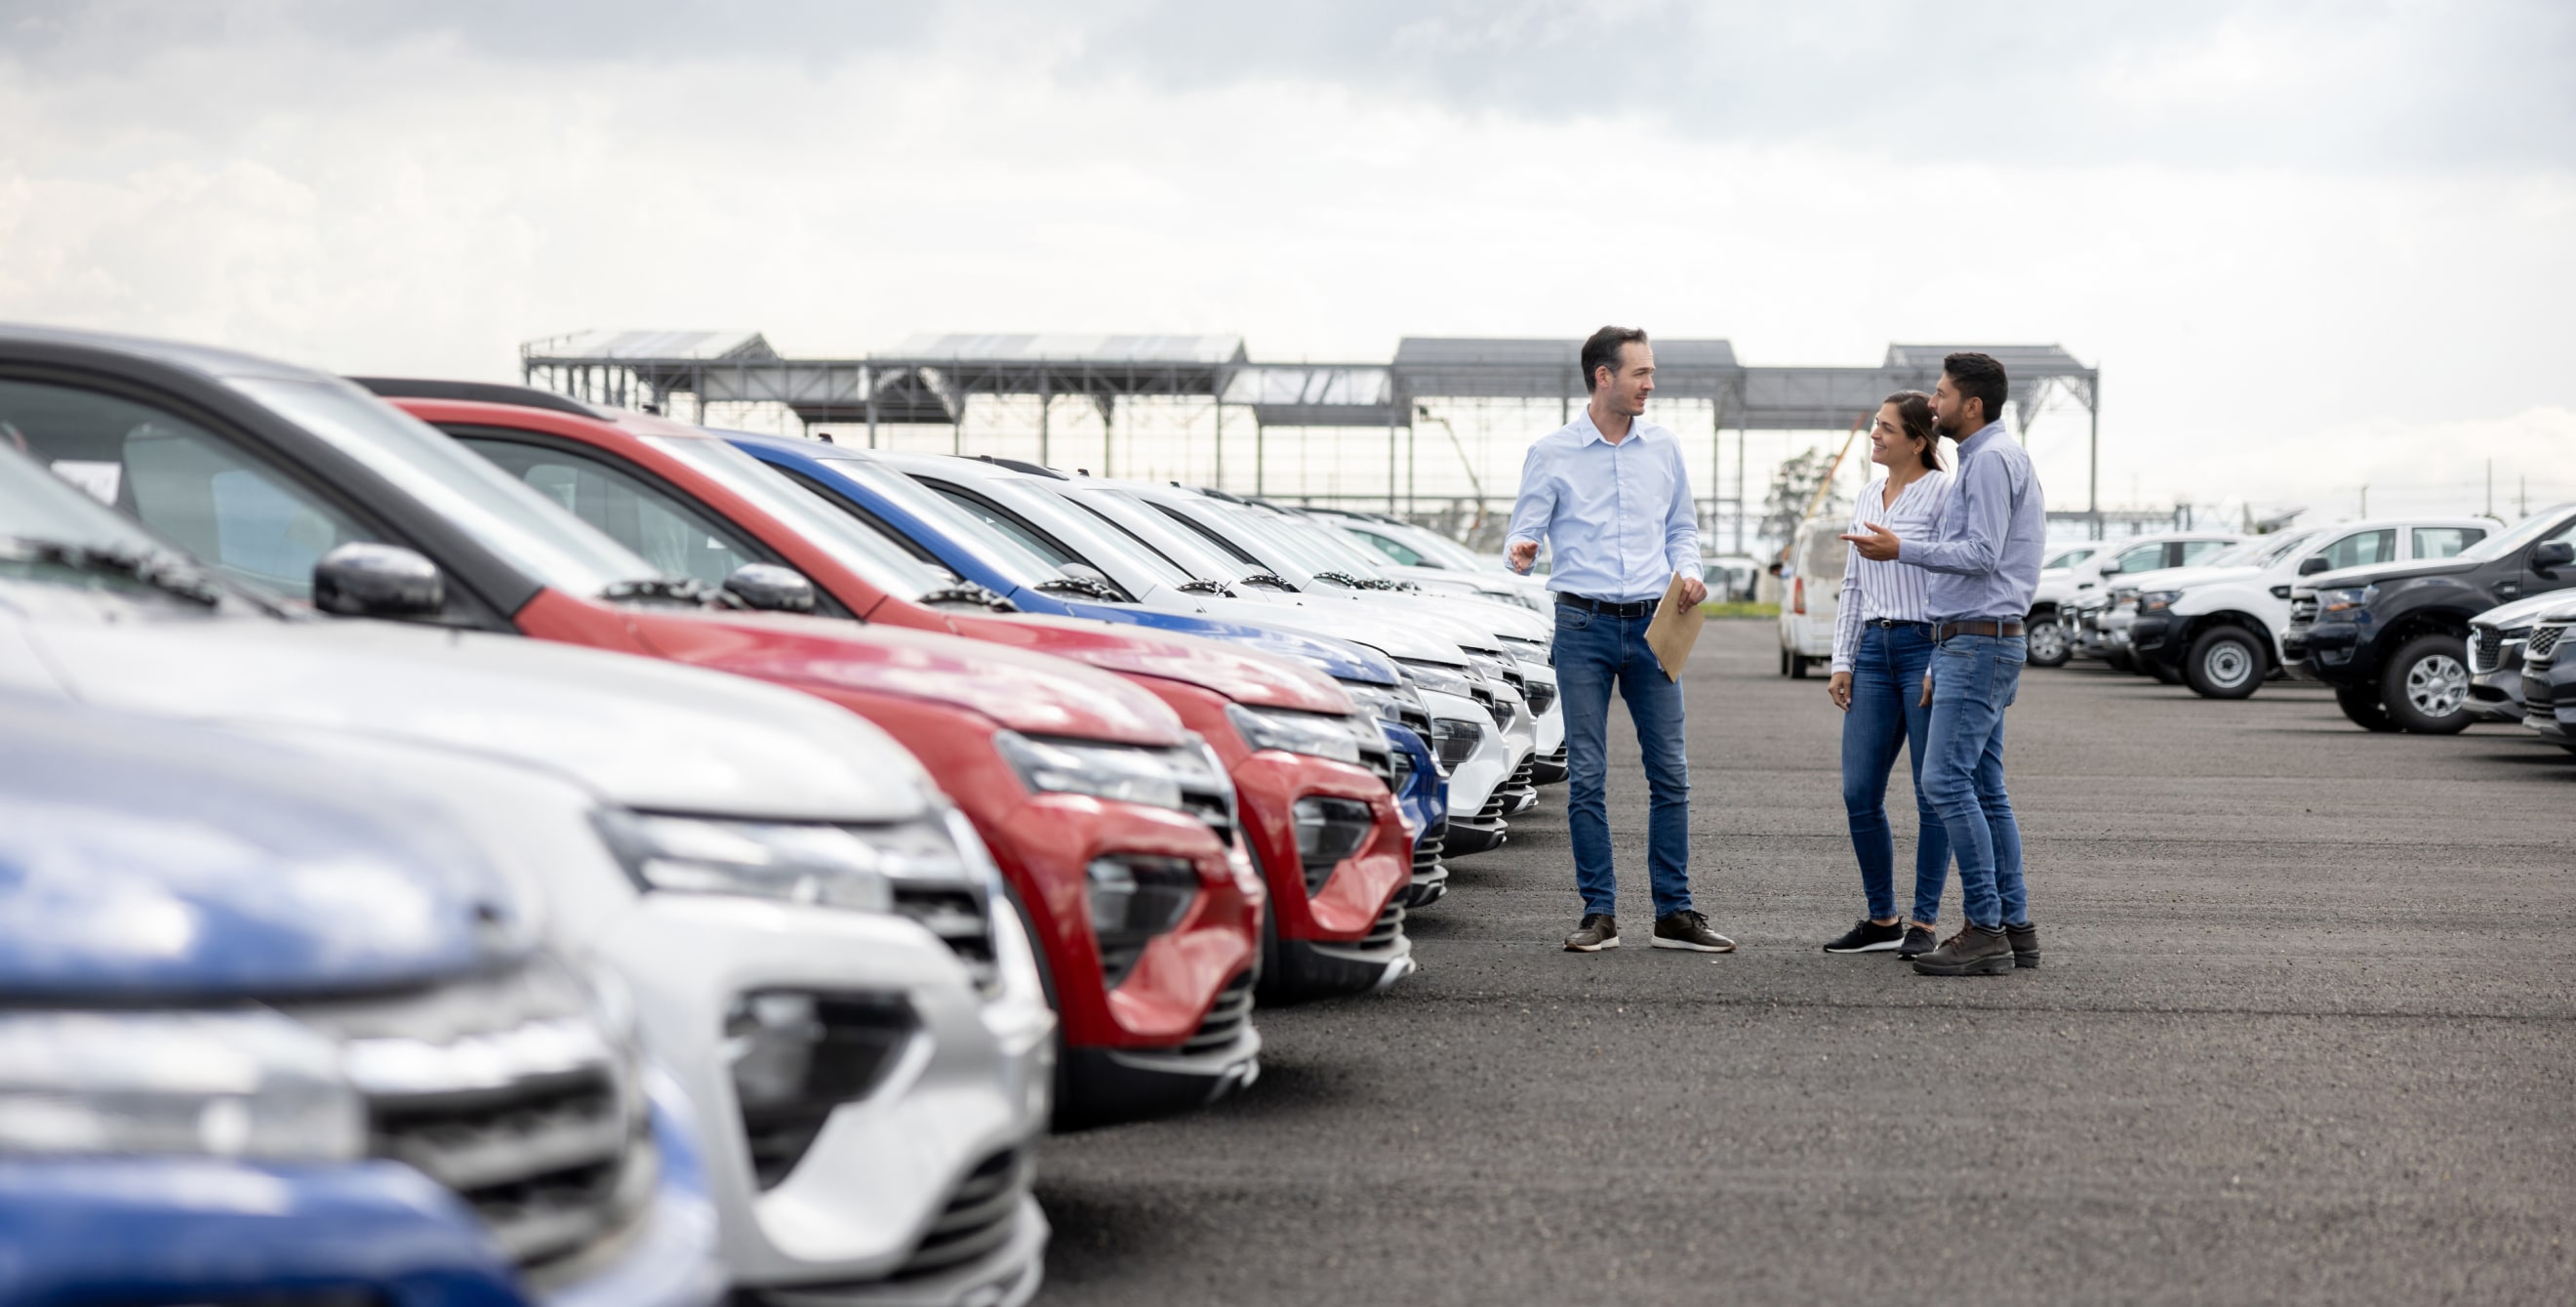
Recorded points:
(1602, 351)
(1914, 412)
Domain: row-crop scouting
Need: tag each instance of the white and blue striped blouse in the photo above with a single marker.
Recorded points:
(1890, 589)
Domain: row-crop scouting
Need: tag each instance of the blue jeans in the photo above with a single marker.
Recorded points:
(1886, 711)
(1593, 650)
(1974, 678)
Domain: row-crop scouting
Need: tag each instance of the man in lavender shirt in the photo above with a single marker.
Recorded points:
(1983, 557)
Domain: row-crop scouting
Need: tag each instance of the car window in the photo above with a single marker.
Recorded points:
(2194, 551)
(2144, 558)
(1001, 523)
(2445, 541)
(1392, 549)
(675, 537)
(231, 511)
(2069, 557)
(871, 552)
(2520, 533)
(2361, 549)
(958, 532)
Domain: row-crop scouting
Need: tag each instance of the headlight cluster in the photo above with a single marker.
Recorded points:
(2345, 599)
(1387, 703)
(853, 867)
(1103, 771)
(2157, 601)
(1440, 678)
(1314, 734)
(1328, 831)
(1133, 899)
(253, 1084)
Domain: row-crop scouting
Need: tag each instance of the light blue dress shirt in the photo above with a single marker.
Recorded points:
(1985, 544)
(1618, 520)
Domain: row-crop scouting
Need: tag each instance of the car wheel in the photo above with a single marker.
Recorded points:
(2046, 641)
(2426, 686)
(1797, 667)
(2362, 707)
(2224, 663)
(2119, 661)
(1784, 662)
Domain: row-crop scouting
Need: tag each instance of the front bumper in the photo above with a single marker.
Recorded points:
(171, 1229)
(1340, 937)
(1424, 801)
(1474, 782)
(2157, 637)
(864, 1202)
(2326, 651)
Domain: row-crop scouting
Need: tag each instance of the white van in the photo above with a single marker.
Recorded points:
(1811, 587)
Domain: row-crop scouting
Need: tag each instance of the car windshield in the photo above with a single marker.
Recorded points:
(1175, 543)
(851, 543)
(2524, 532)
(1432, 544)
(2069, 557)
(547, 543)
(1310, 555)
(1014, 563)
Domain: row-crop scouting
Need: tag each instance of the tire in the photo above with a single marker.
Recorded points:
(2119, 661)
(1784, 661)
(2224, 663)
(2046, 640)
(1797, 667)
(2362, 708)
(2426, 686)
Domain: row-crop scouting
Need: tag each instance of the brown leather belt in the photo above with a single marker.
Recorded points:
(1999, 630)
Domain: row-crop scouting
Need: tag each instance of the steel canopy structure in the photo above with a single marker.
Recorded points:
(929, 379)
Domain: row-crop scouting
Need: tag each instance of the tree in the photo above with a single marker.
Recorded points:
(1793, 487)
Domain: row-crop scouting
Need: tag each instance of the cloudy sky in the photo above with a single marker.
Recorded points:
(2312, 245)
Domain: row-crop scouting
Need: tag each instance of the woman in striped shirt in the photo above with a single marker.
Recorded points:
(1882, 647)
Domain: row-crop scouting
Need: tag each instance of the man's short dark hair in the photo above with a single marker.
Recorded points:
(1978, 376)
(1602, 351)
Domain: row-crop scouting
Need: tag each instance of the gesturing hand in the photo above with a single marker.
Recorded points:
(1523, 555)
(1839, 690)
(1878, 546)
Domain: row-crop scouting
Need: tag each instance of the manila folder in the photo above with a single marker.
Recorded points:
(1674, 630)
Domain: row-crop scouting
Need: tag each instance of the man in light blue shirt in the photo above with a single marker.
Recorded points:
(1983, 557)
(1610, 497)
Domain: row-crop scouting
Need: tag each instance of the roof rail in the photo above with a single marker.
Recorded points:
(479, 392)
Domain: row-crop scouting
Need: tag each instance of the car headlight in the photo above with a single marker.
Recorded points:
(1385, 702)
(2157, 601)
(252, 1084)
(2344, 599)
(1313, 734)
(1133, 899)
(799, 862)
(1491, 668)
(1103, 771)
(1439, 678)
(1453, 741)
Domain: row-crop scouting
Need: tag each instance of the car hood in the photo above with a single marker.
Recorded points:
(648, 735)
(143, 858)
(2176, 578)
(2377, 572)
(1244, 677)
(1341, 621)
(2524, 612)
(1028, 692)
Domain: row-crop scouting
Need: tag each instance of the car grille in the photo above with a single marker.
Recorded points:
(1426, 851)
(2542, 644)
(1225, 1020)
(505, 1091)
(961, 918)
(1524, 778)
(1387, 929)
(1380, 760)
(2486, 648)
(1541, 696)
(2303, 610)
(978, 1217)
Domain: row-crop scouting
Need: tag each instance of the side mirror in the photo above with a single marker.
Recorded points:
(2112, 568)
(2313, 565)
(359, 579)
(769, 588)
(2552, 553)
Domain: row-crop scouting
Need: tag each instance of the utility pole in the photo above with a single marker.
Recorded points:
(2365, 499)
(2490, 487)
(2522, 500)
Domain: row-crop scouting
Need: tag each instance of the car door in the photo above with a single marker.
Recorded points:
(2435, 542)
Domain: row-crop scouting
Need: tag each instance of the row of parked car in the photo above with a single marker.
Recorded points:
(463, 845)
(2425, 625)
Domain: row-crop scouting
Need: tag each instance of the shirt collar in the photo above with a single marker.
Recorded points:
(1982, 432)
(1592, 432)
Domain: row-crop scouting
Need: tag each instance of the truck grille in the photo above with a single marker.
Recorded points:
(2542, 645)
(2303, 610)
(978, 1217)
(1225, 1020)
(2486, 647)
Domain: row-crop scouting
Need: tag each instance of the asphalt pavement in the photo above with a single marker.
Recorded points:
(2302, 1034)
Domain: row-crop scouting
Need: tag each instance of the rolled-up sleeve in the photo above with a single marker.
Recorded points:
(1681, 519)
(1535, 507)
(1985, 506)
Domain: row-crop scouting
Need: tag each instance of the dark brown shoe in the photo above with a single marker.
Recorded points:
(2025, 944)
(1689, 930)
(1598, 931)
(1975, 951)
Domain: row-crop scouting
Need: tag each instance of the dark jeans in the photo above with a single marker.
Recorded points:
(1593, 651)
(1887, 710)
(1974, 678)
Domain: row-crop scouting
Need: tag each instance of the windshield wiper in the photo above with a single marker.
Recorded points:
(967, 592)
(162, 572)
(1355, 583)
(1074, 585)
(1206, 588)
(670, 589)
(1265, 578)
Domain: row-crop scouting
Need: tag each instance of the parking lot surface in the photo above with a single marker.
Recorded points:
(2303, 1032)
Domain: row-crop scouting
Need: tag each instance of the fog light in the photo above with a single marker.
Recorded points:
(1133, 899)
(1328, 831)
(1453, 740)
(797, 1056)
(1540, 695)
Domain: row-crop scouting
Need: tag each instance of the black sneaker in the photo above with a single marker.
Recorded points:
(2025, 944)
(1867, 936)
(1688, 929)
(1918, 941)
(1597, 932)
(1974, 951)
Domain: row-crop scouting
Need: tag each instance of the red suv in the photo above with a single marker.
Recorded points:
(1312, 797)
(1089, 790)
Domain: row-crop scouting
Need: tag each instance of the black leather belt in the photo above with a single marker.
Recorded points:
(1891, 623)
(1641, 608)
(2000, 630)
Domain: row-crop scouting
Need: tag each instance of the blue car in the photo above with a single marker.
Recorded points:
(921, 521)
(266, 1038)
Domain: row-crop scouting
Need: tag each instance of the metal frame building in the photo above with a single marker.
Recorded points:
(930, 379)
